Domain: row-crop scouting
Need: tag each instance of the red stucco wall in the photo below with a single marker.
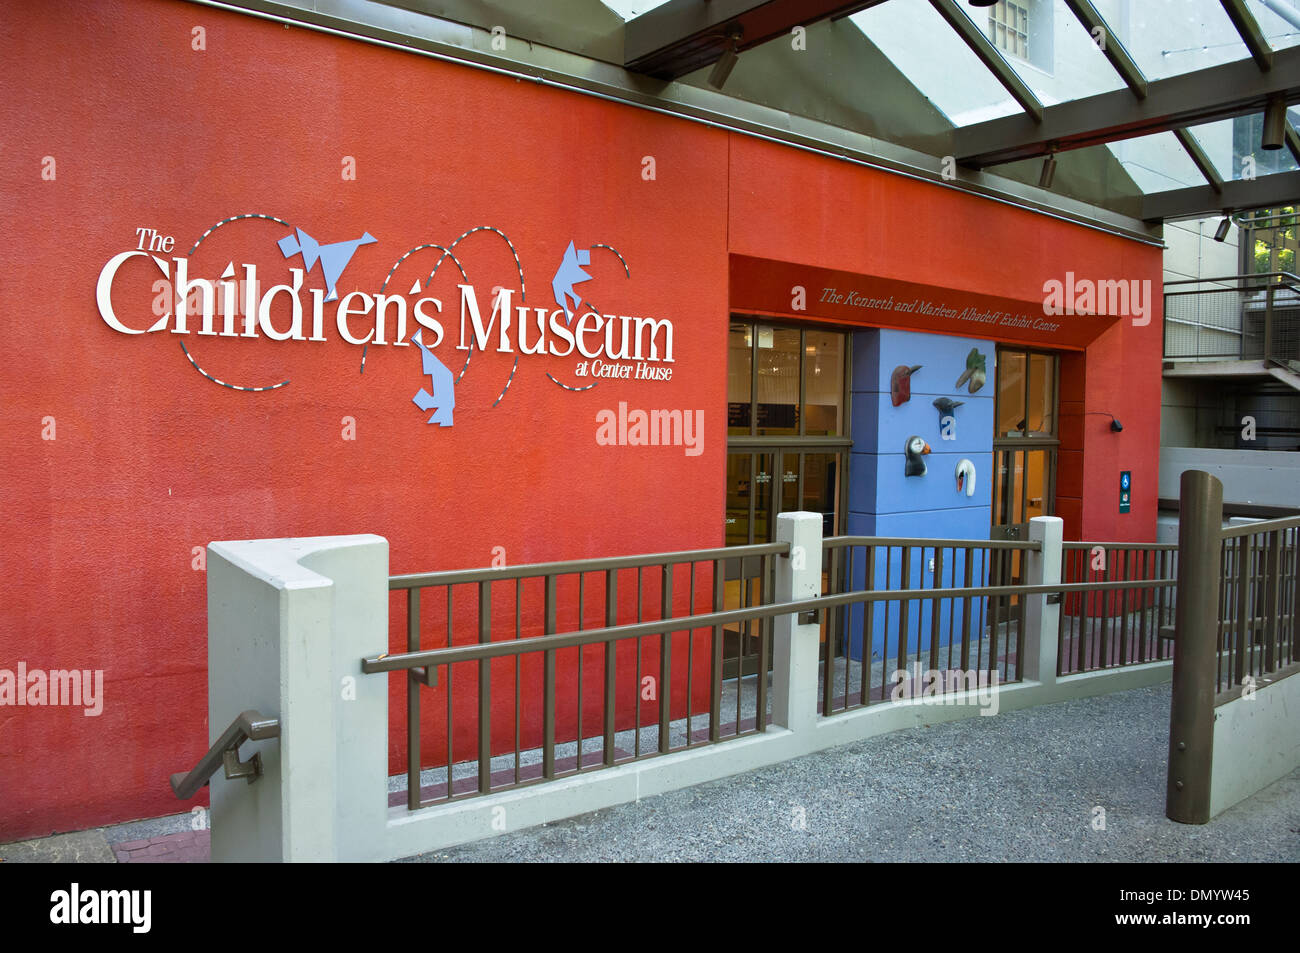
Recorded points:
(149, 460)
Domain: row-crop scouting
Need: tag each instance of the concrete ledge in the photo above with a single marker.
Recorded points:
(1256, 741)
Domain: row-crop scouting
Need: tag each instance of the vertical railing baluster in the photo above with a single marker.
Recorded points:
(548, 686)
(636, 687)
(665, 658)
(1245, 553)
(764, 633)
(717, 663)
(519, 601)
(690, 656)
(967, 583)
(582, 650)
(413, 759)
(484, 689)
(451, 747)
(868, 615)
(1271, 590)
(904, 606)
(936, 607)
(611, 669)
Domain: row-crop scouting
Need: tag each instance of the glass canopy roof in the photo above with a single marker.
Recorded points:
(943, 78)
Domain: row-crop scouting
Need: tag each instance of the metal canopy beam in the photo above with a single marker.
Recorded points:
(1110, 45)
(682, 36)
(1293, 142)
(1219, 92)
(991, 58)
(1268, 191)
(1199, 157)
(1251, 34)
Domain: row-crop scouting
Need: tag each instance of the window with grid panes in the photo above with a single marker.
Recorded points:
(1009, 28)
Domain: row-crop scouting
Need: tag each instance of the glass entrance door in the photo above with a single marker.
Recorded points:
(1025, 445)
(787, 447)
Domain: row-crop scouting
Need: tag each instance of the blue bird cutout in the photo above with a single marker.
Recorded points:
(443, 384)
(570, 273)
(333, 258)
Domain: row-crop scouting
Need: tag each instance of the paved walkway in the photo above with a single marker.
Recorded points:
(1024, 785)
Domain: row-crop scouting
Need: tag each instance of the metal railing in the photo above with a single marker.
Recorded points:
(1110, 627)
(549, 670)
(667, 591)
(1239, 598)
(1258, 596)
(868, 643)
(1239, 317)
(249, 726)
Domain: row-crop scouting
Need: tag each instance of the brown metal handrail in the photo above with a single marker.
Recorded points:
(561, 640)
(575, 566)
(249, 726)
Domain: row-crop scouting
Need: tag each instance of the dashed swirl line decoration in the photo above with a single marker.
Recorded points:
(446, 252)
(567, 387)
(235, 218)
(188, 357)
(215, 380)
(523, 294)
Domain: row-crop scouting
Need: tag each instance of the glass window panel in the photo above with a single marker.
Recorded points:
(942, 67)
(739, 487)
(1170, 37)
(1157, 163)
(1233, 146)
(821, 489)
(823, 383)
(763, 498)
(1280, 31)
(779, 354)
(740, 348)
(789, 482)
(1048, 48)
(1011, 394)
(1042, 386)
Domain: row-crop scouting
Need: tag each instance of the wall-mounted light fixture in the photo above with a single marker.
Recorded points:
(1049, 171)
(1115, 425)
(1221, 232)
(727, 61)
(1274, 136)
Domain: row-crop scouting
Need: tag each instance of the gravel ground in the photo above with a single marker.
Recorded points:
(1021, 786)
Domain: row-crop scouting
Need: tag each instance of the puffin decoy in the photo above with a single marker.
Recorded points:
(915, 448)
(900, 383)
(975, 372)
(965, 474)
(946, 406)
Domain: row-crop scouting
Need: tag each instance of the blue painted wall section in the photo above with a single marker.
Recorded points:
(884, 502)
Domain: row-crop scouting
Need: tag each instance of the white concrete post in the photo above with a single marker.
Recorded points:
(288, 623)
(1042, 621)
(796, 646)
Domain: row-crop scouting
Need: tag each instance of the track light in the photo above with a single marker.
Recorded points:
(727, 61)
(1221, 232)
(1049, 171)
(1274, 124)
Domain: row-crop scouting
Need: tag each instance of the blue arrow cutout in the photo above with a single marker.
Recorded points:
(444, 386)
